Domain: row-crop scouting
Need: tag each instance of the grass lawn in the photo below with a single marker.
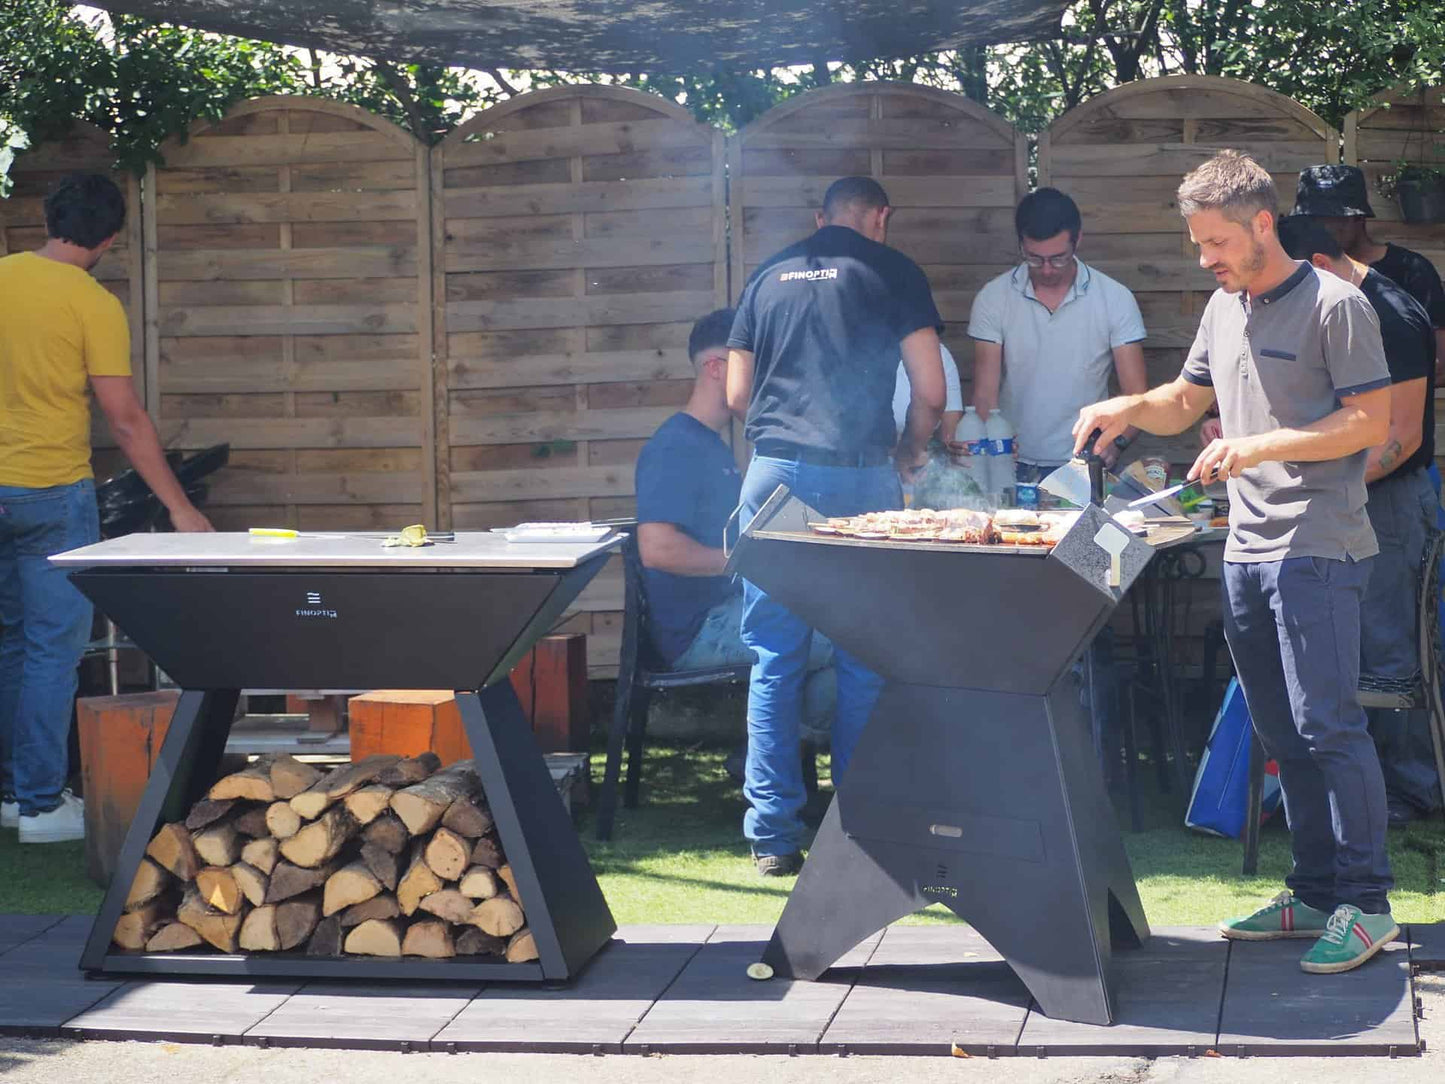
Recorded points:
(680, 857)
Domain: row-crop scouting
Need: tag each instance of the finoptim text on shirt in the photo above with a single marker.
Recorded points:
(809, 276)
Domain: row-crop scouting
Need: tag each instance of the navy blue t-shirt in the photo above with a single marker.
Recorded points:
(823, 320)
(1409, 352)
(686, 476)
(1417, 276)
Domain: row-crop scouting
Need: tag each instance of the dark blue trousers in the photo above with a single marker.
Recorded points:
(1293, 628)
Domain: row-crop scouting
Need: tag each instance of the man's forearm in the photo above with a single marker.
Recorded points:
(922, 421)
(1335, 436)
(1385, 459)
(664, 548)
(137, 438)
(1162, 411)
(987, 378)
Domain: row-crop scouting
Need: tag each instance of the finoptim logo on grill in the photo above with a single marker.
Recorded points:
(816, 275)
(314, 608)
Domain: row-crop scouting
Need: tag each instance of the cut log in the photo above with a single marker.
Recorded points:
(447, 854)
(499, 916)
(251, 881)
(175, 850)
(348, 885)
(422, 806)
(522, 947)
(148, 883)
(217, 927)
(449, 904)
(252, 823)
(466, 818)
(387, 832)
(471, 941)
(431, 939)
(261, 853)
(382, 906)
(326, 939)
(219, 846)
(258, 930)
(417, 883)
(282, 821)
(329, 789)
(252, 783)
(487, 852)
(288, 880)
(508, 878)
(376, 937)
(296, 919)
(134, 928)
(175, 936)
(321, 840)
(218, 887)
(411, 770)
(206, 812)
(384, 865)
(289, 776)
(479, 883)
(369, 802)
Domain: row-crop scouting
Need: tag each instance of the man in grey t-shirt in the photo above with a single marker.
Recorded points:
(1295, 360)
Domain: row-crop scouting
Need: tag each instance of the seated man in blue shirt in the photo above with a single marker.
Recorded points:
(687, 485)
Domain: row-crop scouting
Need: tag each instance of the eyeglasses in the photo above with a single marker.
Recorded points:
(1058, 263)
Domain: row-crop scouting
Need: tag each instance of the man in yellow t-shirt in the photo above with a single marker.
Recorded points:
(63, 338)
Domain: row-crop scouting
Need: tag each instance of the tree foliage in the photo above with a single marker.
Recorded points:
(144, 82)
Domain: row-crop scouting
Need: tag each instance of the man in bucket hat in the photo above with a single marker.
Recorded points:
(1337, 196)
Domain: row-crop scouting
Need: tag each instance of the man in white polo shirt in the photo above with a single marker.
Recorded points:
(1048, 333)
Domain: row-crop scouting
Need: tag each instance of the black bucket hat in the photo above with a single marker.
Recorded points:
(1332, 192)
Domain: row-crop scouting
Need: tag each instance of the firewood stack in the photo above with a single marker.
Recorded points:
(384, 857)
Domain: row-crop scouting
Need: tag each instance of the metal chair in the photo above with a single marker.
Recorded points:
(1422, 692)
(640, 673)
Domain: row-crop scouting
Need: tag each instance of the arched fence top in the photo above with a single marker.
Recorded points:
(626, 104)
(244, 138)
(1190, 97)
(1402, 124)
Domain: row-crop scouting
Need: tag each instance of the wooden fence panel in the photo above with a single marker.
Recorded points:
(22, 228)
(1122, 155)
(1404, 124)
(953, 171)
(289, 312)
(579, 232)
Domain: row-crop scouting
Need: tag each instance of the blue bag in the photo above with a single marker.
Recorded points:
(1221, 786)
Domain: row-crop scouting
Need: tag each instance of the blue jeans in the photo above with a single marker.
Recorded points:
(780, 643)
(719, 643)
(1293, 628)
(46, 626)
(1402, 511)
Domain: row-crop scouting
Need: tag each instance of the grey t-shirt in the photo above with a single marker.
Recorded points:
(1283, 361)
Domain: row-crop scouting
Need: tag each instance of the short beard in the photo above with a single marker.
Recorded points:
(1257, 260)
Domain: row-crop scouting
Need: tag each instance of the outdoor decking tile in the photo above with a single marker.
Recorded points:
(597, 1011)
(714, 1007)
(181, 1011)
(1272, 1007)
(926, 988)
(362, 1015)
(17, 929)
(1427, 945)
(1167, 998)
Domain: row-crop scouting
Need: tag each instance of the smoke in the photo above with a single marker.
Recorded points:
(942, 485)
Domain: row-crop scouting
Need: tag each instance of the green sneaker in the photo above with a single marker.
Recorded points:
(1284, 916)
(1351, 938)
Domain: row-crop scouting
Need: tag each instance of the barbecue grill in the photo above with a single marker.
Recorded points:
(974, 783)
(225, 612)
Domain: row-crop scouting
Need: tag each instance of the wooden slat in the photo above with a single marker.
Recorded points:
(220, 209)
(575, 425)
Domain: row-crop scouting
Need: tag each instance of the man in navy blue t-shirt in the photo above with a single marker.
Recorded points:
(687, 486)
(812, 362)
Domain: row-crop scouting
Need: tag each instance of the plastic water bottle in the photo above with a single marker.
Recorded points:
(1000, 436)
(974, 438)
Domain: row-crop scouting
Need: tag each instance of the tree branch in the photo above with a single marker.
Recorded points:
(395, 82)
(501, 81)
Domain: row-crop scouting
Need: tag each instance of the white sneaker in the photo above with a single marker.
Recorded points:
(9, 814)
(65, 822)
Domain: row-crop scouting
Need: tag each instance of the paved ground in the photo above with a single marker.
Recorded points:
(54, 1062)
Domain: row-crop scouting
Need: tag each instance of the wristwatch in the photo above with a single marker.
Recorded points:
(1122, 443)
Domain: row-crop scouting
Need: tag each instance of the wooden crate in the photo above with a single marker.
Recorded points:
(1121, 157)
(288, 312)
(953, 171)
(120, 737)
(22, 229)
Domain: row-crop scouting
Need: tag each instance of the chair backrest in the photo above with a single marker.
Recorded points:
(636, 620)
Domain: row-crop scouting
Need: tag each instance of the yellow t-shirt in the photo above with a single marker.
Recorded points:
(58, 328)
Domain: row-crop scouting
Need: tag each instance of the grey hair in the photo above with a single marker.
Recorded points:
(1231, 183)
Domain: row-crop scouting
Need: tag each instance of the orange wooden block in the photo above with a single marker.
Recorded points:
(120, 738)
(407, 722)
(555, 670)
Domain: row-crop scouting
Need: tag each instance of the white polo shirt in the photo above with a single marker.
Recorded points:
(1054, 363)
(903, 391)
